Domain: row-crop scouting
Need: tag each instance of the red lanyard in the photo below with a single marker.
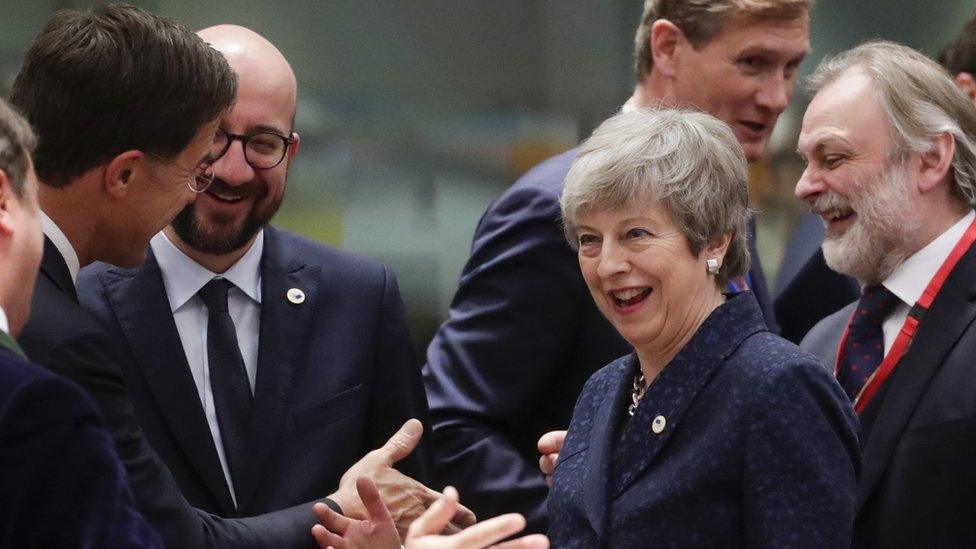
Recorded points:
(908, 329)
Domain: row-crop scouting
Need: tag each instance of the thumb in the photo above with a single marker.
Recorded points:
(402, 442)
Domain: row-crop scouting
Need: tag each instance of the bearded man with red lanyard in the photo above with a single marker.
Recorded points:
(890, 146)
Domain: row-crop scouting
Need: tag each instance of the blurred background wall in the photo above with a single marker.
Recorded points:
(416, 114)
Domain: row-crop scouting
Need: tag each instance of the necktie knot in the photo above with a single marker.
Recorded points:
(214, 294)
(875, 305)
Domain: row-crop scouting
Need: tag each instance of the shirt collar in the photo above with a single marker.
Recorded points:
(183, 277)
(4, 324)
(61, 242)
(910, 279)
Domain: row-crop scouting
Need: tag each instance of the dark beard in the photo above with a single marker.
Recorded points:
(188, 228)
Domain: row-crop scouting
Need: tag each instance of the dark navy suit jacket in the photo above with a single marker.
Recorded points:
(336, 374)
(64, 338)
(522, 338)
(61, 483)
(755, 445)
(919, 432)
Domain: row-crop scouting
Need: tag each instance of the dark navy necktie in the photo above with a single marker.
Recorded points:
(864, 348)
(228, 376)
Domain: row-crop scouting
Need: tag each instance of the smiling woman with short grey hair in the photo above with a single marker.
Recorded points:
(714, 432)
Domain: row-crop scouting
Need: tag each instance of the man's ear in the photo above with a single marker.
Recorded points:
(122, 170)
(966, 81)
(935, 163)
(7, 199)
(293, 148)
(666, 44)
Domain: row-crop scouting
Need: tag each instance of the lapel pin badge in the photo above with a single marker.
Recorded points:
(658, 425)
(295, 296)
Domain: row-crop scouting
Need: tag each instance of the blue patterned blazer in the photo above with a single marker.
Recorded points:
(742, 440)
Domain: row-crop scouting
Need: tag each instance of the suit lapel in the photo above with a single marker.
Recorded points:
(601, 446)
(691, 369)
(283, 337)
(951, 314)
(54, 267)
(143, 312)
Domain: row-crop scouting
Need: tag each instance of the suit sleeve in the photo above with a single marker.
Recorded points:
(63, 484)
(513, 323)
(802, 461)
(86, 359)
(398, 390)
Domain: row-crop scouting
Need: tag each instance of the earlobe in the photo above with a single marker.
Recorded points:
(665, 39)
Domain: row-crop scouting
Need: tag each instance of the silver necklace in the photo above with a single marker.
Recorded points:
(640, 387)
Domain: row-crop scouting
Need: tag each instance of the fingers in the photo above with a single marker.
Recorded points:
(436, 517)
(535, 541)
(490, 531)
(402, 442)
(375, 509)
(552, 442)
(326, 539)
(330, 519)
(463, 517)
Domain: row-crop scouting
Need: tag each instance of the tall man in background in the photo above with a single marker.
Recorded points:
(890, 145)
(318, 340)
(523, 334)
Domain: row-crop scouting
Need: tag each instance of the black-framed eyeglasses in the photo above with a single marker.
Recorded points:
(262, 150)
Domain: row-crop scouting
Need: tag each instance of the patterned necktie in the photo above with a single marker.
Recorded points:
(228, 377)
(864, 347)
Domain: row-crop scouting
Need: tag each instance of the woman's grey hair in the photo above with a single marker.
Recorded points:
(688, 161)
(920, 101)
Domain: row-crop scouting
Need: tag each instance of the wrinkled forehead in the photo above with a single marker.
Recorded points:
(847, 111)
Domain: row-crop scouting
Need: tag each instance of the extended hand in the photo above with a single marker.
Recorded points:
(405, 498)
(379, 532)
(550, 444)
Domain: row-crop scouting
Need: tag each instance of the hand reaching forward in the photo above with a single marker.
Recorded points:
(378, 532)
(550, 444)
(403, 497)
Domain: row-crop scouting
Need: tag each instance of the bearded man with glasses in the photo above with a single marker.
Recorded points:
(263, 365)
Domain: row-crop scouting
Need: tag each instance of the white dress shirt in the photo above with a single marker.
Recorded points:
(4, 324)
(61, 242)
(910, 279)
(183, 278)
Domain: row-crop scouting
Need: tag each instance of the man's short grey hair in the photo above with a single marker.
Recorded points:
(17, 143)
(920, 101)
(700, 20)
(688, 161)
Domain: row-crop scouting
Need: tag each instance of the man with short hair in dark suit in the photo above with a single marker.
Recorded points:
(61, 483)
(128, 104)
(318, 337)
(523, 334)
(890, 145)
